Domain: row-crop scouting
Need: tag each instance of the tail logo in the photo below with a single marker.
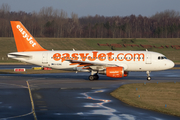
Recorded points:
(25, 35)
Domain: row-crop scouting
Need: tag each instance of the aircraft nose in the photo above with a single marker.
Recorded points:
(171, 64)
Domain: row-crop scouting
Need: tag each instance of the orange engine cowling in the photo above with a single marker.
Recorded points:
(115, 72)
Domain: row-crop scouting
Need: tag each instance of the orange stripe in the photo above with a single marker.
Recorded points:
(83, 65)
(73, 63)
(86, 68)
(80, 65)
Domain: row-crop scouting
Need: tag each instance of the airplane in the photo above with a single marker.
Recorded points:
(115, 64)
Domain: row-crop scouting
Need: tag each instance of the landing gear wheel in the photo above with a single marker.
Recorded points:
(148, 78)
(96, 77)
(148, 75)
(91, 77)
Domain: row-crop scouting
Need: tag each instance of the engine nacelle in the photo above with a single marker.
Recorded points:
(115, 72)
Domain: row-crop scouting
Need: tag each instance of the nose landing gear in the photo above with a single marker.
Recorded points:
(148, 75)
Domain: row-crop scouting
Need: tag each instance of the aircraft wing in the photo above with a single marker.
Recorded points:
(90, 65)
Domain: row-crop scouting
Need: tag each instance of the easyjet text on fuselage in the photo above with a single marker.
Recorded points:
(110, 56)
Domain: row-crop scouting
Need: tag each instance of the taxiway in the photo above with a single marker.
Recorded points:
(73, 96)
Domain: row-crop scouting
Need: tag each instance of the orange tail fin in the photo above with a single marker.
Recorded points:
(24, 40)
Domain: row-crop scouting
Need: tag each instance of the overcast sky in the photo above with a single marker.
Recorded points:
(100, 7)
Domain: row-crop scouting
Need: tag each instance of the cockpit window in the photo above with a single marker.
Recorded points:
(161, 57)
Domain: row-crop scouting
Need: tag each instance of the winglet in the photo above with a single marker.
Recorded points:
(24, 40)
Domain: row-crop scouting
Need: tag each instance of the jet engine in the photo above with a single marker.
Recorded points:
(114, 72)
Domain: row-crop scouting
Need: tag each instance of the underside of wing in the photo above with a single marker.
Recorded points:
(90, 65)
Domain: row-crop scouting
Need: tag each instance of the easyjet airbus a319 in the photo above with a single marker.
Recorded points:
(115, 64)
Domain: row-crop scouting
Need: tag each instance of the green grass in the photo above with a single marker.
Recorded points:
(7, 45)
(153, 96)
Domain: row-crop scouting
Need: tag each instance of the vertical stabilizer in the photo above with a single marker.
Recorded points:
(24, 40)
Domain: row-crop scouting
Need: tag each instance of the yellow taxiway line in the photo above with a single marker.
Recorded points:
(32, 102)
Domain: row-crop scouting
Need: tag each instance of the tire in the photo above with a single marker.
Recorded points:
(96, 77)
(91, 77)
(149, 78)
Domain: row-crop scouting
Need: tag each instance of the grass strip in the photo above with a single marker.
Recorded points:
(8, 45)
(160, 97)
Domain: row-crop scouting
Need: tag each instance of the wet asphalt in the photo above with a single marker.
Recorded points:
(72, 96)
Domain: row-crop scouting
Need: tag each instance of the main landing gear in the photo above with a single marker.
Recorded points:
(93, 76)
(148, 75)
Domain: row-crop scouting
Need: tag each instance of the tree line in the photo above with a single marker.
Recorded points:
(49, 22)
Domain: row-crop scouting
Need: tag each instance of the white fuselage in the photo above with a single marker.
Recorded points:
(130, 60)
